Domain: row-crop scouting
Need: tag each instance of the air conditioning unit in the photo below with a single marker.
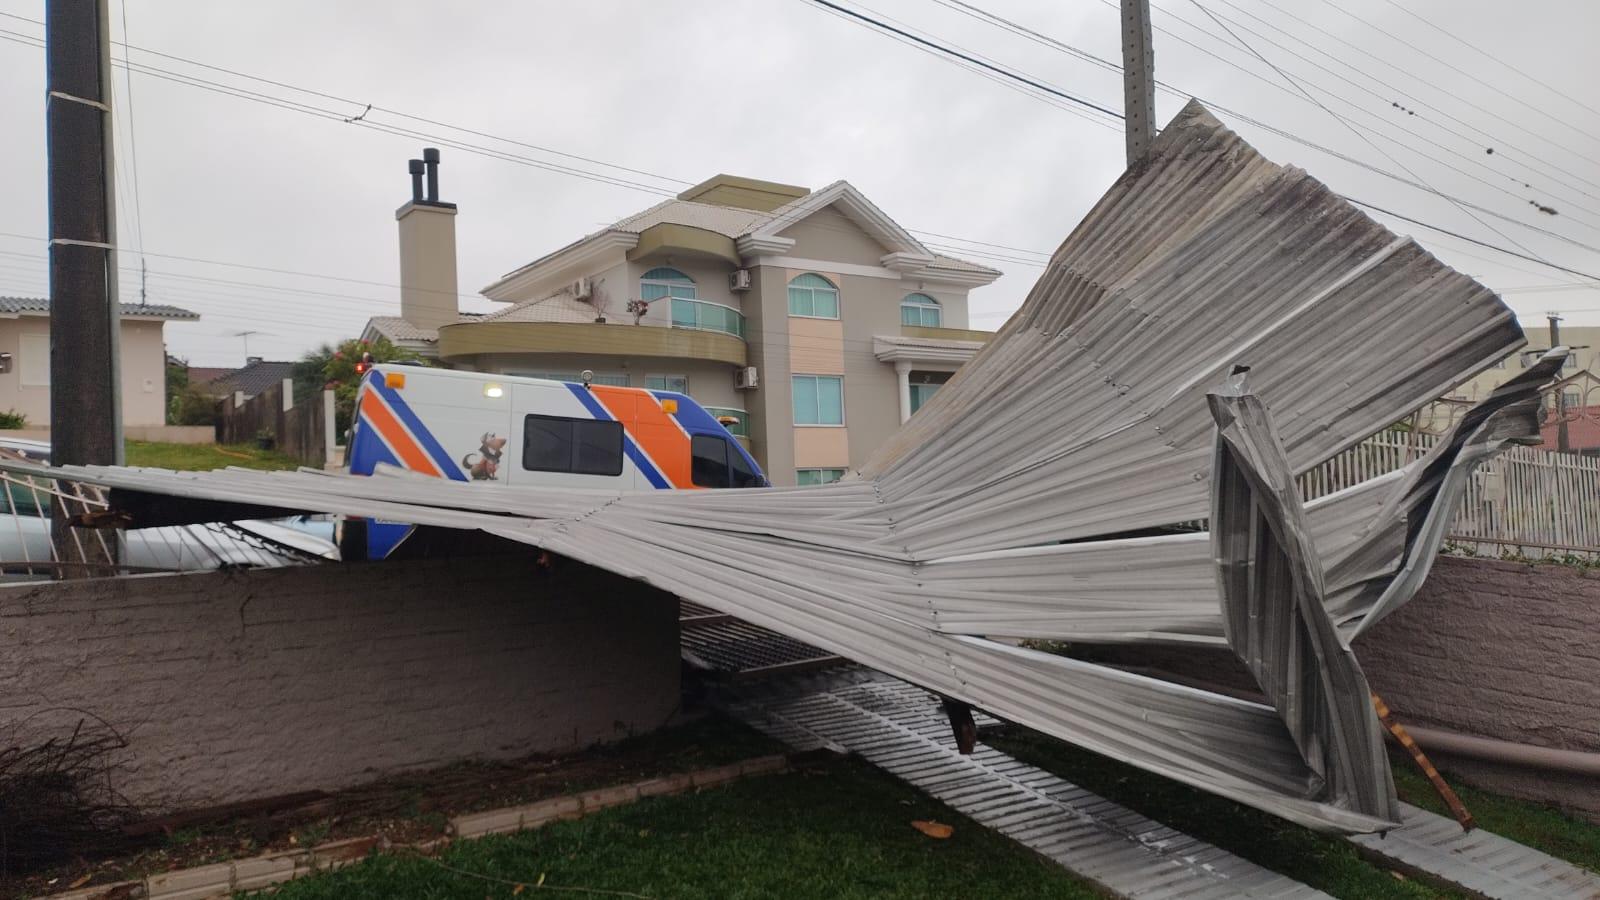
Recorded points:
(581, 289)
(745, 379)
(739, 280)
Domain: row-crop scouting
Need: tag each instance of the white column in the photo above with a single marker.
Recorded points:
(902, 371)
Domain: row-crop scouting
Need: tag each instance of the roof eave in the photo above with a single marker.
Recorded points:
(579, 253)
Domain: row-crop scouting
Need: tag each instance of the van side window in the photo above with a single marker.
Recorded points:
(580, 446)
(714, 463)
(743, 475)
(708, 465)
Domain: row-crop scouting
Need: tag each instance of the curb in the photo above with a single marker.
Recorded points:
(255, 873)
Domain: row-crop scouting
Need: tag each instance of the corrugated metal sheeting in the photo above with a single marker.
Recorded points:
(1086, 418)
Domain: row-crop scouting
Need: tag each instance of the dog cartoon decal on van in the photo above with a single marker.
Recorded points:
(491, 449)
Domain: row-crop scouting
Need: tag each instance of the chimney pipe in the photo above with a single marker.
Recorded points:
(416, 180)
(430, 157)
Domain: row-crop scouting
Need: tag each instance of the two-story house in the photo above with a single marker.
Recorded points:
(809, 319)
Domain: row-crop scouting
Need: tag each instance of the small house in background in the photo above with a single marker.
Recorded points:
(25, 359)
(255, 376)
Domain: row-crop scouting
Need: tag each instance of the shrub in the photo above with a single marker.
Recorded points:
(11, 420)
(192, 406)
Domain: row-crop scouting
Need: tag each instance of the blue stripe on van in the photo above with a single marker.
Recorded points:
(429, 443)
(695, 420)
(596, 409)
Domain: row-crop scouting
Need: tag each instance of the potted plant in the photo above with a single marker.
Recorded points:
(600, 300)
(265, 439)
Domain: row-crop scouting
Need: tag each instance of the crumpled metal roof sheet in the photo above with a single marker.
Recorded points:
(1085, 418)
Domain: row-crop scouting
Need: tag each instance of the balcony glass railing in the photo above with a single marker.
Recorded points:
(707, 316)
(740, 428)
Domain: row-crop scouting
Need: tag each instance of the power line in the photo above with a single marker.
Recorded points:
(1476, 160)
(133, 163)
(939, 48)
(305, 108)
(309, 109)
(1458, 236)
(1341, 120)
(1466, 74)
(1007, 83)
(1220, 108)
(1497, 142)
(1357, 107)
(1462, 41)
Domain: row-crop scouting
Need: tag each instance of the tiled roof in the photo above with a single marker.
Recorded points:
(562, 307)
(20, 305)
(940, 261)
(206, 374)
(254, 378)
(727, 221)
(397, 329)
(724, 220)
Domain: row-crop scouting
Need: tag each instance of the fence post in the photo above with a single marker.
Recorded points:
(330, 436)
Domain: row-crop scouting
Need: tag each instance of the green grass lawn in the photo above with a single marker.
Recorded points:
(1548, 829)
(841, 829)
(1326, 862)
(205, 456)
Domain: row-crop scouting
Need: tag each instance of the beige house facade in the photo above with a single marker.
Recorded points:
(809, 320)
(1583, 339)
(25, 359)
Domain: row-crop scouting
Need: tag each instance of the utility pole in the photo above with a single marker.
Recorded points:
(1138, 79)
(1562, 443)
(85, 388)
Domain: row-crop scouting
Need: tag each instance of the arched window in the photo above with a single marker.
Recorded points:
(814, 296)
(664, 282)
(920, 309)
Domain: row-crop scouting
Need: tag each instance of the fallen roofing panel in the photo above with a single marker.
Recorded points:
(968, 526)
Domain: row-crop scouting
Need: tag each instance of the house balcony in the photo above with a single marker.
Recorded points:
(461, 342)
(704, 315)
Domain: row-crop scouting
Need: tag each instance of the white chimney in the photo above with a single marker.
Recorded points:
(428, 286)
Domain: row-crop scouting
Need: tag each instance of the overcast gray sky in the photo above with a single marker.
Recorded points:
(785, 91)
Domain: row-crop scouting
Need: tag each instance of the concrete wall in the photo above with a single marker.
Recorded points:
(26, 387)
(1502, 650)
(249, 684)
(1493, 649)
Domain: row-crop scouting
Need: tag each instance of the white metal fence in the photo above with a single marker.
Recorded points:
(1526, 501)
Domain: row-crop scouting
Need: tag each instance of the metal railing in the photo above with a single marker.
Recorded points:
(707, 316)
(1526, 501)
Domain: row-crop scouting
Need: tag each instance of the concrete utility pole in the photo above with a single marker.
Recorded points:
(1561, 391)
(85, 389)
(1138, 78)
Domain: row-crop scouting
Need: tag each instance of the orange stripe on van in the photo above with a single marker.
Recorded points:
(652, 429)
(404, 445)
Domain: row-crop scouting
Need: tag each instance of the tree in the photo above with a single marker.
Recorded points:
(187, 402)
(333, 367)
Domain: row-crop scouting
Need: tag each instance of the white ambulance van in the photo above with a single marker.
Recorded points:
(474, 426)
